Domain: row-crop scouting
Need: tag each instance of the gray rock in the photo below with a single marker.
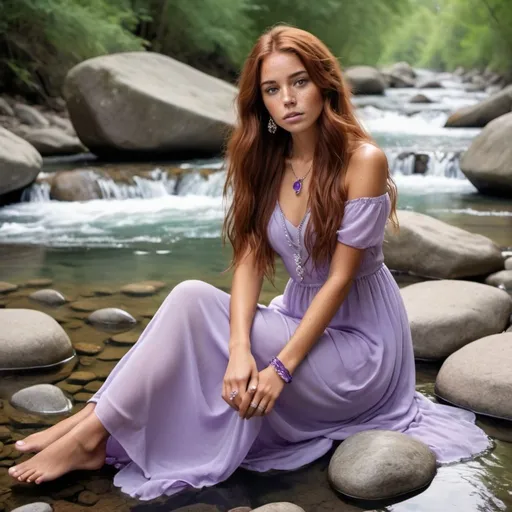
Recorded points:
(432, 248)
(5, 108)
(48, 297)
(42, 399)
(138, 290)
(173, 106)
(446, 315)
(482, 113)
(282, 506)
(111, 318)
(30, 339)
(78, 185)
(478, 377)
(399, 81)
(31, 116)
(404, 69)
(508, 264)
(429, 84)
(34, 507)
(365, 80)
(20, 163)
(488, 161)
(420, 98)
(7, 287)
(503, 279)
(379, 465)
(51, 141)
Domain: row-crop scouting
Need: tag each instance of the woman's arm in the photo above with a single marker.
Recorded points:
(366, 176)
(245, 290)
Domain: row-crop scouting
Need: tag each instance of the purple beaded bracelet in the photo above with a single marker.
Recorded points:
(281, 370)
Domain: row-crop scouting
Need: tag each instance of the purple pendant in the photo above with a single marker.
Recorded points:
(297, 186)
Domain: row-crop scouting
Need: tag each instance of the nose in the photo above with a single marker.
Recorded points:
(288, 97)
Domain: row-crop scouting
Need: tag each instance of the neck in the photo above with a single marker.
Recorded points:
(304, 144)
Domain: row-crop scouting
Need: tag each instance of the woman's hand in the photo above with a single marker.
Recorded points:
(262, 402)
(241, 377)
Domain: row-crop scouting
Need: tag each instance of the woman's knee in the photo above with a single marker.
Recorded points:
(191, 291)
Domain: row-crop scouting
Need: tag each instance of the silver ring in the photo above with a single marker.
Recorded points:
(262, 409)
(253, 405)
(233, 394)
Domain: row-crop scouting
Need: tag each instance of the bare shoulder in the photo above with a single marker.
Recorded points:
(367, 172)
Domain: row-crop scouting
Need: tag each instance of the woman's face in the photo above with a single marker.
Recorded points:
(291, 97)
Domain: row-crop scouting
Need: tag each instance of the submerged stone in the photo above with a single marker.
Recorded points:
(42, 399)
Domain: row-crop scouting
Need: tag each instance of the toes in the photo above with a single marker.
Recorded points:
(39, 479)
(22, 475)
(28, 476)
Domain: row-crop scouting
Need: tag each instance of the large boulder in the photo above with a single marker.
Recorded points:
(31, 339)
(143, 102)
(379, 465)
(478, 377)
(78, 185)
(432, 248)
(365, 80)
(447, 315)
(488, 161)
(51, 141)
(482, 113)
(20, 163)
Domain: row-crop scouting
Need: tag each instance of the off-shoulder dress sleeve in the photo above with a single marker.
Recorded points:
(364, 221)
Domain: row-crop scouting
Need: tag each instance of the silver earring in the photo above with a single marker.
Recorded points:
(272, 126)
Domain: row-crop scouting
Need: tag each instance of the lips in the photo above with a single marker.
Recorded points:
(292, 114)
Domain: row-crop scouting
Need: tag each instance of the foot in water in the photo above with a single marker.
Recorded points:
(41, 440)
(83, 447)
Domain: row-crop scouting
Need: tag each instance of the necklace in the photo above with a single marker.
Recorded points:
(297, 184)
(297, 257)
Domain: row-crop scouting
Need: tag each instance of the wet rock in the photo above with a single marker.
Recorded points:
(29, 115)
(5, 108)
(94, 386)
(503, 279)
(282, 506)
(380, 465)
(429, 84)
(404, 69)
(7, 287)
(42, 399)
(69, 388)
(51, 141)
(479, 115)
(508, 264)
(5, 434)
(241, 509)
(68, 492)
(86, 361)
(125, 338)
(112, 354)
(81, 377)
(20, 163)
(84, 305)
(88, 498)
(20, 419)
(432, 248)
(48, 297)
(87, 349)
(446, 315)
(83, 397)
(159, 285)
(420, 98)
(487, 161)
(31, 339)
(34, 507)
(160, 91)
(103, 292)
(103, 373)
(76, 185)
(365, 80)
(111, 319)
(478, 377)
(74, 324)
(38, 283)
(99, 486)
(138, 290)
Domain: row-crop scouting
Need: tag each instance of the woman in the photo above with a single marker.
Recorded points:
(196, 397)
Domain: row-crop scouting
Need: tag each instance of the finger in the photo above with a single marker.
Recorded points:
(269, 407)
(253, 405)
(233, 395)
(261, 410)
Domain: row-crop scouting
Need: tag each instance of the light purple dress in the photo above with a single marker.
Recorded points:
(170, 428)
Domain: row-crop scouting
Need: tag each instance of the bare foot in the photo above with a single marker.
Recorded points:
(81, 448)
(41, 440)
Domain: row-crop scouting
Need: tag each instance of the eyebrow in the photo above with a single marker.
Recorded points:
(293, 75)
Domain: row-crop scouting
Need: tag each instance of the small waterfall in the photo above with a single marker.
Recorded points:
(429, 163)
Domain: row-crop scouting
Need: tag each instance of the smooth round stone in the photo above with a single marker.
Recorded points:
(155, 284)
(88, 498)
(84, 305)
(111, 319)
(83, 397)
(138, 290)
(281, 506)
(34, 507)
(378, 465)
(37, 283)
(87, 349)
(502, 279)
(42, 399)
(98, 486)
(81, 377)
(125, 338)
(31, 339)
(93, 387)
(445, 315)
(479, 377)
(508, 264)
(112, 354)
(102, 292)
(7, 287)
(48, 297)
(241, 509)
(69, 388)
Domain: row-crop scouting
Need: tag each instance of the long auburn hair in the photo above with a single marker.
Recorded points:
(256, 158)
